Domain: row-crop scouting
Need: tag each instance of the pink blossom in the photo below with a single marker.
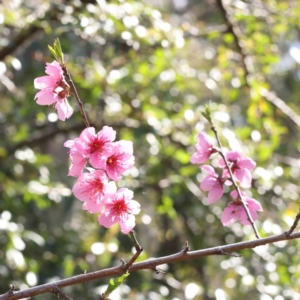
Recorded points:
(213, 184)
(98, 147)
(204, 149)
(120, 160)
(78, 160)
(235, 210)
(119, 208)
(54, 90)
(241, 167)
(93, 188)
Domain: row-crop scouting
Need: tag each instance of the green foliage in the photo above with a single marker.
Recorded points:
(149, 72)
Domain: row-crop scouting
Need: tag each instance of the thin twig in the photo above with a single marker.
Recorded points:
(213, 128)
(139, 249)
(149, 264)
(293, 227)
(74, 92)
(58, 292)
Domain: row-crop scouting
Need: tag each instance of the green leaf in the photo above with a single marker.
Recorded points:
(57, 51)
(114, 283)
(52, 51)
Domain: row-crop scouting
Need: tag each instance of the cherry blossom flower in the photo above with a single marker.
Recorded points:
(120, 160)
(54, 90)
(241, 167)
(93, 188)
(97, 147)
(119, 208)
(204, 149)
(213, 184)
(235, 210)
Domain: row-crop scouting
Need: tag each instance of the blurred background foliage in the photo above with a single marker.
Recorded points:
(147, 68)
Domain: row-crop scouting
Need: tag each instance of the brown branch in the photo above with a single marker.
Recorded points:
(58, 292)
(150, 264)
(139, 249)
(293, 227)
(74, 92)
(213, 128)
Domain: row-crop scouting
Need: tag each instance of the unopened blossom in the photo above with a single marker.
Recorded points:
(235, 210)
(240, 165)
(54, 90)
(213, 184)
(119, 208)
(204, 149)
(93, 188)
(120, 160)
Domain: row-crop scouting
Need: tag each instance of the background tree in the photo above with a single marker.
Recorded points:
(147, 71)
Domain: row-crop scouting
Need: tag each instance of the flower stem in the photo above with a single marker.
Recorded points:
(74, 92)
(213, 128)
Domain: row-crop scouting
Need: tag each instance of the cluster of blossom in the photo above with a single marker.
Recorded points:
(109, 160)
(213, 183)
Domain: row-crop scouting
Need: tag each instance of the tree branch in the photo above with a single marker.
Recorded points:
(74, 92)
(150, 264)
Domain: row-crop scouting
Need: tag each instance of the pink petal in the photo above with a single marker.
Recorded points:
(46, 97)
(88, 135)
(214, 195)
(204, 140)
(77, 164)
(244, 177)
(54, 70)
(64, 110)
(44, 82)
(128, 224)
(107, 133)
(105, 220)
(247, 163)
(209, 169)
(233, 155)
(229, 215)
(208, 183)
(92, 206)
(134, 207)
(199, 157)
(254, 205)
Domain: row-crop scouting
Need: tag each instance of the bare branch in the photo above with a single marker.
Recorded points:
(58, 292)
(150, 264)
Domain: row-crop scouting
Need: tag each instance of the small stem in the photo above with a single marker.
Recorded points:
(74, 92)
(58, 292)
(293, 227)
(139, 249)
(213, 128)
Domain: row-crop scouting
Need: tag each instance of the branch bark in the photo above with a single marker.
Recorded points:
(150, 264)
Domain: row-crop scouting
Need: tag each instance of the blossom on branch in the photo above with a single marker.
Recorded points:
(204, 149)
(240, 167)
(97, 147)
(120, 160)
(235, 210)
(54, 90)
(213, 183)
(120, 208)
(93, 188)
